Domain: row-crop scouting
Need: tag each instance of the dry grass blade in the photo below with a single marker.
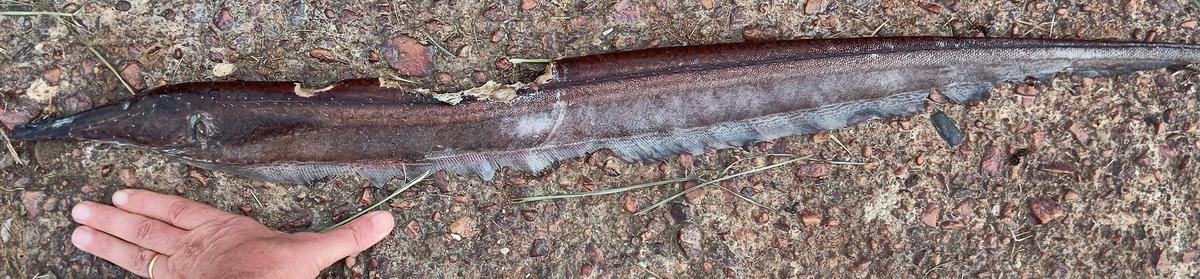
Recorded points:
(603, 191)
(718, 180)
(529, 61)
(67, 20)
(33, 13)
(378, 203)
(11, 151)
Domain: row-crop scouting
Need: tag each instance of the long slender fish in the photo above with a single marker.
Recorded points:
(640, 104)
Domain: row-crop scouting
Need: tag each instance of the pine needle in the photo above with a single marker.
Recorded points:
(529, 61)
(378, 203)
(718, 180)
(11, 151)
(722, 175)
(603, 191)
(33, 13)
(75, 33)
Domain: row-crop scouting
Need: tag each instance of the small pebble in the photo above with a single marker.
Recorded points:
(407, 55)
(539, 248)
(947, 130)
(463, 227)
(1070, 195)
(931, 215)
(122, 5)
(323, 55)
(224, 20)
(1044, 211)
(810, 219)
(32, 200)
(815, 6)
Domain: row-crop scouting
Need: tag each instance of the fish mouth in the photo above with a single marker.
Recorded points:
(57, 129)
(87, 125)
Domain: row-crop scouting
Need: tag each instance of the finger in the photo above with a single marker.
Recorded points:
(180, 212)
(124, 254)
(137, 229)
(352, 238)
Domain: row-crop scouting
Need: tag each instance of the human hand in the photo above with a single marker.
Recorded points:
(187, 239)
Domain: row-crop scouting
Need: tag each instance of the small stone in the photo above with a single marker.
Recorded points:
(585, 270)
(685, 160)
(994, 161)
(689, 240)
(463, 227)
(122, 5)
(626, 12)
(479, 77)
(759, 33)
(408, 56)
(223, 69)
(1077, 131)
(707, 4)
(1027, 90)
(503, 64)
(52, 76)
(528, 4)
(87, 189)
(540, 247)
(1190, 256)
(931, 215)
(815, 6)
(695, 196)
(224, 20)
(1044, 210)
(246, 209)
(1070, 195)
(813, 170)
(127, 179)
(32, 200)
(494, 13)
(810, 218)
(529, 215)
(763, 218)
(323, 55)
(680, 213)
(630, 203)
(1191, 24)
(947, 129)
(132, 73)
(414, 229)
(445, 78)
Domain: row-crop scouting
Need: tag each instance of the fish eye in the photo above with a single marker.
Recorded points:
(201, 130)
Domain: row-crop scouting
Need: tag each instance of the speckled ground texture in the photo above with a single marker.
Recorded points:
(1109, 165)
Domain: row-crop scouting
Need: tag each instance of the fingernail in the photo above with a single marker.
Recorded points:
(120, 197)
(381, 222)
(81, 212)
(82, 236)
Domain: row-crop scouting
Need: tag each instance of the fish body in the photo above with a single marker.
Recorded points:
(641, 104)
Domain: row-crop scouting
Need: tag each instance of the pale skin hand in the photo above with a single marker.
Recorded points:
(199, 241)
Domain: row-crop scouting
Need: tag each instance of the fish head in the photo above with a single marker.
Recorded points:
(157, 120)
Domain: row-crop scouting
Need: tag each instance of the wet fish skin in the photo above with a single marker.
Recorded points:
(640, 104)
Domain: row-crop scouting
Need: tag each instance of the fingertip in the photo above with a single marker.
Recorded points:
(120, 197)
(82, 236)
(81, 212)
(382, 222)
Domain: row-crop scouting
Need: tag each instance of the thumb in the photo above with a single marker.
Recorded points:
(352, 238)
